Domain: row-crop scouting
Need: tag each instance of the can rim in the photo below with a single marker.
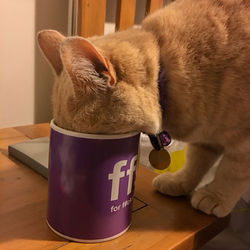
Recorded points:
(90, 136)
(87, 240)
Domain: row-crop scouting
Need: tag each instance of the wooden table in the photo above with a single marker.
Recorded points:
(159, 222)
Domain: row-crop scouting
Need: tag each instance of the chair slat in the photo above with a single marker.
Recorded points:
(125, 14)
(153, 5)
(92, 15)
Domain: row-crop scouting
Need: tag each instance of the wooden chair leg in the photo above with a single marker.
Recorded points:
(92, 16)
(125, 14)
(153, 5)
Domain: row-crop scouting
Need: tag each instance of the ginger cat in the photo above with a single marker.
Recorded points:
(108, 84)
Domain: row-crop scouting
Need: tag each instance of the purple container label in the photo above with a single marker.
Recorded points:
(91, 185)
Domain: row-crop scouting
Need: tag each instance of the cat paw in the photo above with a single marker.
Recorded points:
(169, 184)
(209, 202)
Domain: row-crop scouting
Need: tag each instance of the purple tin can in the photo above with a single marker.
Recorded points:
(91, 184)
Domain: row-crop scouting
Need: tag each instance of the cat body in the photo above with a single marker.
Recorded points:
(205, 50)
(108, 84)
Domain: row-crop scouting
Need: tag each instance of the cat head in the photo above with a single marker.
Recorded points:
(91, 94)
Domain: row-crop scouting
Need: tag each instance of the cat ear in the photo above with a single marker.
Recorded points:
(50, 43)
(86, 66)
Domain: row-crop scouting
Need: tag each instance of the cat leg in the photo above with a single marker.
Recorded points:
(232, 179)
(199, 158)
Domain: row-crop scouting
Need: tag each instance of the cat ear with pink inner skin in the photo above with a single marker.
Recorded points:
(50, 43)
(87, 67)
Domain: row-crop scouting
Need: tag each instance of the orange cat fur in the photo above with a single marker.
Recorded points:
(108, 84)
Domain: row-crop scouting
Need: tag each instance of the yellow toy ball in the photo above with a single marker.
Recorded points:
(177, 161)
